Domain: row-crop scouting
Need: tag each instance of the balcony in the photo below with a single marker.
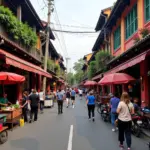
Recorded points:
(33, 52)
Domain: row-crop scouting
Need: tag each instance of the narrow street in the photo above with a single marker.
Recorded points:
(51, 132)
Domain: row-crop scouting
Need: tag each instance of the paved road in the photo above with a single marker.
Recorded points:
(51, 132)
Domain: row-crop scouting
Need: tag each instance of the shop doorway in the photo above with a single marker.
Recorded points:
(134, 89)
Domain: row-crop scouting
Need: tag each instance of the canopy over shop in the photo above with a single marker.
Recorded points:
(134, 63)
(7, 106)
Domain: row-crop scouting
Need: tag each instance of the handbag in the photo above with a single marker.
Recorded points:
(116, 122)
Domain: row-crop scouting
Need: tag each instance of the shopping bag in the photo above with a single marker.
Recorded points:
(21, 122)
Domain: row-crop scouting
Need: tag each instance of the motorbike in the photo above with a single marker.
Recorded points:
(146, 120)
(136, 125)
(105, 112)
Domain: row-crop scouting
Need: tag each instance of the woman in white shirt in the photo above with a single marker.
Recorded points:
(124, 110)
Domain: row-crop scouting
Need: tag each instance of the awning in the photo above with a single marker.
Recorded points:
(129, 63)
(116, 78)
(22, 64)
(97, 77)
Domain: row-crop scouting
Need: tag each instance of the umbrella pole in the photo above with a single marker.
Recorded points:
(3, 87)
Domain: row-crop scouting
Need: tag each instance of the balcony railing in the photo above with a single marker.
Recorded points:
(35, 53)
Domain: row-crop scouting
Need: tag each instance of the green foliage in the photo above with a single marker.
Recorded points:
(70, 78)
(91, 69)
(57, 68)
(144, 32)
(78, 71)
(20, 31)
(78, 65)
(100, 60)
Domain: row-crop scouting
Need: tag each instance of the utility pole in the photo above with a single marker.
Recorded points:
(47, 42)
(67, 59)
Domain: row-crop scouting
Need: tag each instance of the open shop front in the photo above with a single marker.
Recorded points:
(9, 106)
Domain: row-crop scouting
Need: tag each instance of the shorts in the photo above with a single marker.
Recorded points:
(80, 95)
(73, 98)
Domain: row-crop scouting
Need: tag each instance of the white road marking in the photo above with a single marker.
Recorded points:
(70, 138)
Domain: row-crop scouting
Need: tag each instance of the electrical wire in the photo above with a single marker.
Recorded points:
(65, 31)
(63, 40)
(72, 26)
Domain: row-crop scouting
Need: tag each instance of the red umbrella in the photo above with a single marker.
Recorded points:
(10, 78)
(116, 78)
(90, 83)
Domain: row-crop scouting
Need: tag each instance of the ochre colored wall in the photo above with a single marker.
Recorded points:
(107, 12)
(126, 44)
(38, 46)
(88, 57)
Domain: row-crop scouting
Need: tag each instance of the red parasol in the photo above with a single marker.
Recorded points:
(10, 78)
(90, 83)
(116, 78)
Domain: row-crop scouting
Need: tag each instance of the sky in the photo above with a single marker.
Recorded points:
(82, 13)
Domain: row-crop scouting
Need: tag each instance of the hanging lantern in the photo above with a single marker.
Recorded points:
(54, 83)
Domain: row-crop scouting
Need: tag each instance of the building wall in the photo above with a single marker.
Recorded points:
(107, 12)
(126, 44)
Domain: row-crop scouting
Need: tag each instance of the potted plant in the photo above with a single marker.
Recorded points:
(136, 39)
(144, 32)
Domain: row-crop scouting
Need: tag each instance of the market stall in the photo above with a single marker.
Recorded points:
(13, 112)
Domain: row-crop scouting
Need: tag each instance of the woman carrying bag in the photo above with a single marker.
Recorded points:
(125, 110)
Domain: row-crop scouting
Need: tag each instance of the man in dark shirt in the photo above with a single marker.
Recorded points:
(34, 102)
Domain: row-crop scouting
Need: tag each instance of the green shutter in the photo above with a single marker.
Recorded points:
(131, 22)
(147, 10)
(117, 38)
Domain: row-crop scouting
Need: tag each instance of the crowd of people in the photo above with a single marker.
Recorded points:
(121, 108)
(33, 102)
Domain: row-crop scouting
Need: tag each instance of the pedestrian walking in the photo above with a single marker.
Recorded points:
(125, 110)
(60, 97)
(80, 93)
(114, 101)
(24, 106)
(68, 96)
(73, 95)
(42, 97)
(91, 106)
(34, 101)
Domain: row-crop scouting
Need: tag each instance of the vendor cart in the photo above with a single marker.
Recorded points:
(3, 130)
(13, 116)
(49, 101)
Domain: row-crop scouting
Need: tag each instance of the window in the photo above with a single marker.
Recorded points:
(131, 22)
(147, 10)
(117, 38)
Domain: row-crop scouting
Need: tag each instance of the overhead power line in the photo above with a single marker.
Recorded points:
(65, 31)
(72, 26)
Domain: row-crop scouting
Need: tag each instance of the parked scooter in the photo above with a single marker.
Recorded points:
(105, 113)
(136, 125)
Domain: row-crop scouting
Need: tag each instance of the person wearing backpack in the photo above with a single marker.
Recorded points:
(60, 97)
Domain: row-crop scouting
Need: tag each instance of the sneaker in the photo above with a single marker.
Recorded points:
(89, 119)
(129, 148)
(113, 130)
(93, 119)
(121, 146)
(73, 106)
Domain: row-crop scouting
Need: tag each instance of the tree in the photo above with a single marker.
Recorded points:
(70, 78)
(78, 70)
(78, 65)
(91, 69)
